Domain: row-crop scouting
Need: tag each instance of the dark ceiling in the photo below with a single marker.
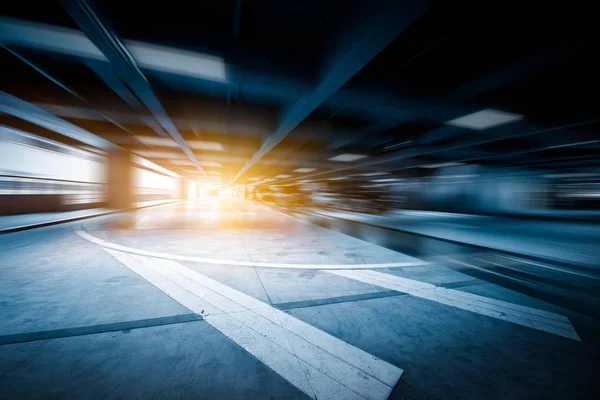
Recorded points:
(309, 80)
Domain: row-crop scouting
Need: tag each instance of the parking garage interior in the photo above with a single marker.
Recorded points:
(258, 199)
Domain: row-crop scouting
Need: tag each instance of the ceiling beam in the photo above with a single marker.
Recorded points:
(509, 73)
(63, 87)
(527, 129)
(259, 88)
(14, 106)
(113, 48)
(380, 27)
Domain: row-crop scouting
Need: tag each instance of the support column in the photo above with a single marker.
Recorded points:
(120, 180)
(183, 188)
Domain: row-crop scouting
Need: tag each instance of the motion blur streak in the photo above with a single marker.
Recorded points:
(252, 199)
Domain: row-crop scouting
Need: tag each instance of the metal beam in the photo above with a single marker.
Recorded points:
(125, 66)
(22, 109)
(374, 33)
(509, 73)
(105, 72)
(237, 128)
(62, 86)
(531, 129)
(260, 88)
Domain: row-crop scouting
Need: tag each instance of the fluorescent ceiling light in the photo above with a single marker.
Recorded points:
(157, 141)
(450, 164)
(159, 154)
(283, 176)
(202, 145)
(396, 145)
(485, 119)
(210, 164)
(456, 176)
(181, 162)
(48, 37)
(348, 157)
(150, 165)
(572, 175)
(254, 179)
(177, 61)
(337, 179)
(305, 181)
(386, 180)
(147, 56)
(213, 172)
(375, 174)
(302, 170)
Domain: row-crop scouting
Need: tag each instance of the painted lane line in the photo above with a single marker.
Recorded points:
(521, 315)
(317, 363)
(376, 367)
(526, 316)
(472, 297)
(244, 212)
(178, 293)
(253, 264)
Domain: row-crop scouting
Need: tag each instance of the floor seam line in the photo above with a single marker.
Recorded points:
(30, 337)
(263, 286)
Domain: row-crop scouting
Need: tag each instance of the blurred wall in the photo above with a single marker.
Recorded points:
(40, 175)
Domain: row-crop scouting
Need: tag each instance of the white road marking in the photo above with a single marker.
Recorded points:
(244, 213)
(515, 313)
(126, 249)
(320, 365)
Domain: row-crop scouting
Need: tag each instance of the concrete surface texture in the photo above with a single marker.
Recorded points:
(533, 237)
(86, 313)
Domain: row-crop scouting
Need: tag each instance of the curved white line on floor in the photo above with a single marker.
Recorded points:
(257, 264)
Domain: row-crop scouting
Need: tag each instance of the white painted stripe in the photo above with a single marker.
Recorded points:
(526, 316)
(328, 342)
(468, 296)
(170, 288)
(317, 363)
(254, 264)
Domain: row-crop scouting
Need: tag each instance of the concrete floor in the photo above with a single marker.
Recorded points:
(126, 306)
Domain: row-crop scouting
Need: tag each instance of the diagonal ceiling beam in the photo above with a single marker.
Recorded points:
(509, 73)
(382, 25)
(62, 86)
(124, 64)
(527, 129)
(14, 106)
(259, 88)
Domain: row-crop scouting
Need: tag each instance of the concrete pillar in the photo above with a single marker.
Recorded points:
(183, 188)
(120, 179)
